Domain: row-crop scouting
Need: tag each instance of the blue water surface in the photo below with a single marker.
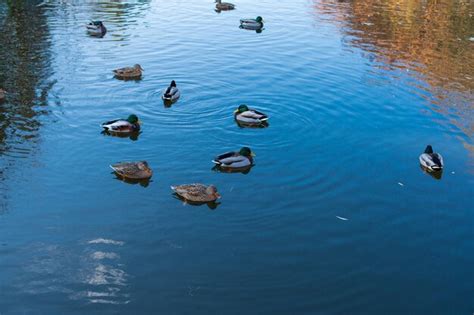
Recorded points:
(336, 217)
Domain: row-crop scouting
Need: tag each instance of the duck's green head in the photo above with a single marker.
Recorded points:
(242, 108)
(245, 151)
(133, 119)
(259, 19)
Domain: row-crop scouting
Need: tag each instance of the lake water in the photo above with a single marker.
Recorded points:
(336, 217)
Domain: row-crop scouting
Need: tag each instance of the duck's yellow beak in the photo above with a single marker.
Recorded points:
(252, 154)
(139, 122)
(218, 195)
(236, 111)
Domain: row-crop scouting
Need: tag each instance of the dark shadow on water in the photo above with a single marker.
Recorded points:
(211, 205)
(168, 103)
(136, 79)
(243, 170)
(257, 30)
(435, 174)
(142, 182)
(131, 135)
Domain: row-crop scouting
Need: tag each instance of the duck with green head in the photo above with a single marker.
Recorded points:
(96, 28)
(252, 24)
(430, 160)
(249, 117)
(129, 125)
(235, 160)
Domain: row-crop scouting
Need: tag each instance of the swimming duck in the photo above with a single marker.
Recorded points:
(132, 170)
(430, 160)
(2, 94)
(197, 192)
(252, 24)
(134, 72)
(235, 160)
(246, 116)
(96, 28)
(224, 6)
(131, 124)
(171, 93)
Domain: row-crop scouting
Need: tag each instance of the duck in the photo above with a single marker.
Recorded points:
(171, 93)
(134, 72)
(235, 160)
(224, 6)
(251, 117)
(199, 193)
(131, 124)
(430, 160)
(252, 24)
(2, 94)
(133, 170)
(96, 28)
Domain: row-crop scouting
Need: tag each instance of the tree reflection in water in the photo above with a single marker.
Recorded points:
(24, 68)
(430, 39)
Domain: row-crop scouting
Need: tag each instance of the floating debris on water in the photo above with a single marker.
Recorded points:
(401, 184)
(453, 172)
(106, 241)
(341, 218)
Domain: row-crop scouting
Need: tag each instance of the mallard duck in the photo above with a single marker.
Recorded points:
(133, 170)
(252, 24)
(131, 124)
(171, 93)
(235, 160)
(2, 94)
(96, 28)
(197, 192)
(224, 6)
(430, 160)
(134, 72)
(247, 116)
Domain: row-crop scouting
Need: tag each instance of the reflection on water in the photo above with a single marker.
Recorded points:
(142, 182)
(24, 67)
(211, 205)
(431, 39)
(105, 278)
(435, 174)
(97, 276)
(320, 221)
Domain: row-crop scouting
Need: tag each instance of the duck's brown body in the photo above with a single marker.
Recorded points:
(134, 72)
(133, 170)
(197, 192)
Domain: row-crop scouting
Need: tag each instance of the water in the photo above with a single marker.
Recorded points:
(354, 91)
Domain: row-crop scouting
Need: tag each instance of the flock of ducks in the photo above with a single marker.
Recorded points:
(239, 161)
